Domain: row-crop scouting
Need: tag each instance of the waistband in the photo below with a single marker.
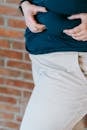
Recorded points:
(60, 61)
(82, 54)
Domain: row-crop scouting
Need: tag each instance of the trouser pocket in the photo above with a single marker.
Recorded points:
(79, 68)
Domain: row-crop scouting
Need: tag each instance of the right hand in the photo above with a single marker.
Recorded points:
(30, 10)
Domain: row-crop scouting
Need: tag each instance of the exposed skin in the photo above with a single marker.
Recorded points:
(29, 11)
(78, 33)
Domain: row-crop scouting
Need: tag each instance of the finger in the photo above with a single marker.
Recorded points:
(73, 31)
(40, 9)
(76, 16)
(85, 39)
(78, 34)
(35, 29)
(33, 23)
(81, 38)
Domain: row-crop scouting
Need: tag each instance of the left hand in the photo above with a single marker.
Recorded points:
(79, 32)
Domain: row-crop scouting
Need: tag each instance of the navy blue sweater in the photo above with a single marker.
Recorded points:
(53, 39)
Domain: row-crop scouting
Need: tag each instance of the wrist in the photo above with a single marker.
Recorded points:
(23, 4)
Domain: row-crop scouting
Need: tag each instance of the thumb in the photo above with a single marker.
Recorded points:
(41, 9)
(76, 16)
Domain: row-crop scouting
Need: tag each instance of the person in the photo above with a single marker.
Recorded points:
(56, 39)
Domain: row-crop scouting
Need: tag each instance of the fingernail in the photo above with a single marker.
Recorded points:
(64, 31)
(45, 11)
(69, 17)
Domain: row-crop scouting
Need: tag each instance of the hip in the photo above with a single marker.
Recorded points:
(63, 61)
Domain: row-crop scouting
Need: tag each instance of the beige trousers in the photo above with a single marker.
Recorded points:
(59, 98)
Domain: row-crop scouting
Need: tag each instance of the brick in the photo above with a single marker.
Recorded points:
(1, 20)
(10, 54)
(1, 62)
(6, 10)
(20, 84)
(12, 1)
(16, 23)
(16, 82)
(6, 90)
(6, 116)
(9, 124)
(1, 80)
(8, 100)
(12, 109)
(26, 94)
(18, 118)
(4, 43)
(27, 57)
(18, 46)
(27, 75)
(2, 128)
(11, 33)
(8, 72)
(20, 65)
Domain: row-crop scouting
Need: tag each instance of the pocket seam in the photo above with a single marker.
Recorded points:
(80, 69)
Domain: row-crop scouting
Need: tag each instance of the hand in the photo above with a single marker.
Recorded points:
(30, 11)
(79, 32)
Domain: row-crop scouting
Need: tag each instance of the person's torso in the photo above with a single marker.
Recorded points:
(53, 39)
(65, 7)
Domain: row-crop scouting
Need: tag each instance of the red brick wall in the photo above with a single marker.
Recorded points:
(15, 68)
